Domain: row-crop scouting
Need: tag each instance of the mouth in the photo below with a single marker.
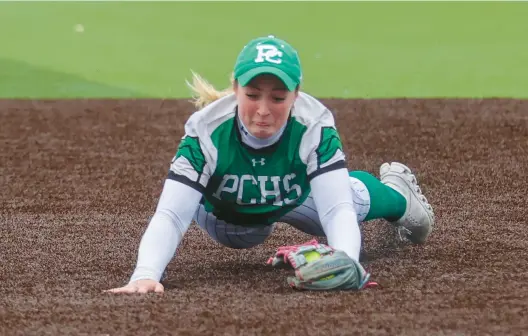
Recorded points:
(261, 124)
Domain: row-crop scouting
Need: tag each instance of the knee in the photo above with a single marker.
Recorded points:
(244, 238)
(239, 245)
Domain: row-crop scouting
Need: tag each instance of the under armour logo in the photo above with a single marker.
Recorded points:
(261, 161)
(268, 53)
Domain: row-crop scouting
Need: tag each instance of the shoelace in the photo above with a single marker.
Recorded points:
(417, 188)
(367, 283)
(372, 284)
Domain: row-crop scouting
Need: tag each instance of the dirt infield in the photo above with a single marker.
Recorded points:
(80, 180)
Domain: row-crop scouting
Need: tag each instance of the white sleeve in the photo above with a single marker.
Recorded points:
(176, 207)
(321, 148)
(333, 199)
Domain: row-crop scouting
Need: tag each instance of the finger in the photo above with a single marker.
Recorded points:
(143, 290)
(159, 288)
(116, 290)
(120, 290)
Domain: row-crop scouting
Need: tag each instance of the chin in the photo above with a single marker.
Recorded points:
(262, 133)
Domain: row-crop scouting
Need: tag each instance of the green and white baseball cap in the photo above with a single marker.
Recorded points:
(269, 55)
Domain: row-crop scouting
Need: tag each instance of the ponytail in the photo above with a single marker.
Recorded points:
(204, 93)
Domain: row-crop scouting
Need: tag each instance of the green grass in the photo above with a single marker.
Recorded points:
(23, 80)
(348, 49)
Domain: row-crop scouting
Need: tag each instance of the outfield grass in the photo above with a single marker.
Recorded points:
(348, 49)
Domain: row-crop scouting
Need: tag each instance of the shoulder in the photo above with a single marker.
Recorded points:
(206, 120)
(320, 145)
(310, 112)
(316, 119)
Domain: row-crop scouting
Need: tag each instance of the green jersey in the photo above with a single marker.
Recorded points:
(244, 186)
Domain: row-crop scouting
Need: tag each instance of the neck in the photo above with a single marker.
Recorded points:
(257, 143)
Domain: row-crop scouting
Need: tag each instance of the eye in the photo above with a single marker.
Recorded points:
(251, 96)
(279, 99)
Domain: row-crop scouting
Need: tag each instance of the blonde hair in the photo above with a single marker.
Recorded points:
(205, 93)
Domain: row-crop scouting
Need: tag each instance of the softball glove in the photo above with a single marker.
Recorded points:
(320, 267)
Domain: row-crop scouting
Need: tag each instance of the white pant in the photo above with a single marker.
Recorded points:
(304, 218)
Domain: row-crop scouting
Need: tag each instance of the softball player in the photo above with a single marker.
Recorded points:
(263, 152)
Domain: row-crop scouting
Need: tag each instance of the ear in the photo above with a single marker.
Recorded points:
(235, 87)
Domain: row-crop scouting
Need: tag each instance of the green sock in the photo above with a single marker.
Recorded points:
(385, 202)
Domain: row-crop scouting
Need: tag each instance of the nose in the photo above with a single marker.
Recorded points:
(263, 109)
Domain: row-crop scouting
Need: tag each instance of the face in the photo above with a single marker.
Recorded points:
(264, 104)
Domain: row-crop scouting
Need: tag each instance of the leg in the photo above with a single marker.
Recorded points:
(229, 235)
(396, 198)
(306, 219)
